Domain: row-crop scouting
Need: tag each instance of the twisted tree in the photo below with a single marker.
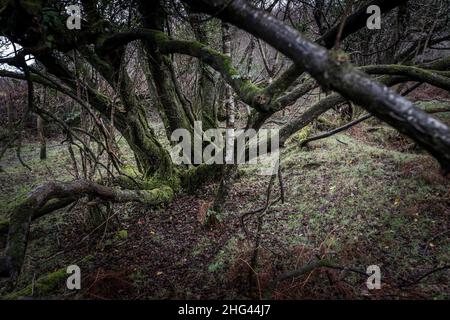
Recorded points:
(123, 43)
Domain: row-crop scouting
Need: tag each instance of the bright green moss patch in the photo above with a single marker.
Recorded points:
(42, 287)
(122, 234)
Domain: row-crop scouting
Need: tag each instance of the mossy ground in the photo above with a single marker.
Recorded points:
(361, 205)
(350, 198)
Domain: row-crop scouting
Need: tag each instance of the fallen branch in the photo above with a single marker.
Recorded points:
(409, 283)
(323, 263)
(335, 131)
(261, 211)
(363, 118)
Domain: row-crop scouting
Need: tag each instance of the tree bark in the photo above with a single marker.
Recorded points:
(230, 169)
(41, 138)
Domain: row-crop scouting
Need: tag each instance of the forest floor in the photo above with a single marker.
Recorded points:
(363, 197)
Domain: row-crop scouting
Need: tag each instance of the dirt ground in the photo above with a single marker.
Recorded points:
(363, 197)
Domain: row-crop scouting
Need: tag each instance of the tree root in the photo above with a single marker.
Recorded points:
(37, 204)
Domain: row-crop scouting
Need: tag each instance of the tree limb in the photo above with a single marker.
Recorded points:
(432, 77)
(337, 130)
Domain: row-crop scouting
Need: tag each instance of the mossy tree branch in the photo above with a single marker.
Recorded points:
(433, 77)
(248, 92)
